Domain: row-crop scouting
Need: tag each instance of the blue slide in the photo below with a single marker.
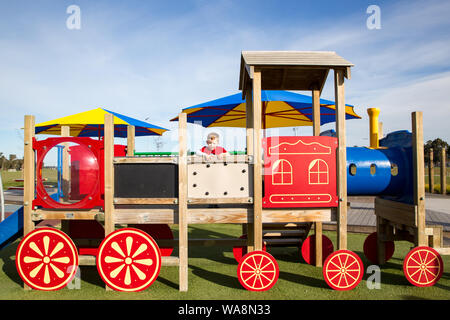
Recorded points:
(11, 228)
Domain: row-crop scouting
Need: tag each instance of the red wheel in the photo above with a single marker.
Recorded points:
(343, 270)
(423, 266)
(128, 260)
(309, 249)
(371, 245)
(239, 252)
(46, 259)
(258, 271)
(157, 232)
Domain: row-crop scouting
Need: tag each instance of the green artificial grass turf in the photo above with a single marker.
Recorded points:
(212, 275)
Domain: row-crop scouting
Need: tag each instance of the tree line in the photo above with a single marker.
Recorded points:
(437, 144)
(10, 163)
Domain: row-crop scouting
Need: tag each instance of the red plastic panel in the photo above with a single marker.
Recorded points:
(95, 150)
(300, 172)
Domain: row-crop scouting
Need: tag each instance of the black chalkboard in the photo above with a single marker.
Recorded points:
(146, 180)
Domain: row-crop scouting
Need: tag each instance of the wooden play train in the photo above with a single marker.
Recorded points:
(117, 210)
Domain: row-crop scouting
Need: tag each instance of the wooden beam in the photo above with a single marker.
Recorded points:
(182, 202)
(341, 158)
(45, 214)
(109, 172)
(130, 140)
(133, 159)
(443, 171)
(257, 166)
(221, 215)
(139, 201)
(396, 212)
(418, 174)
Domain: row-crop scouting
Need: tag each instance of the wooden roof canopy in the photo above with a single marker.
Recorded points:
(290, 70)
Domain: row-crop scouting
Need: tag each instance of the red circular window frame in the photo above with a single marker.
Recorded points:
(93, 199)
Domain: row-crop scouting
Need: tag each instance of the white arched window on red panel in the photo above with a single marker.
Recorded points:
(318, 172)
(282, 172)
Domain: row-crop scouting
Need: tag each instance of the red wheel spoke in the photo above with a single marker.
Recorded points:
(247, 264)
(434, 258)
(348, 274)
(331, 261)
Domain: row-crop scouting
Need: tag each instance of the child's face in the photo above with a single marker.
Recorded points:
(212, 143)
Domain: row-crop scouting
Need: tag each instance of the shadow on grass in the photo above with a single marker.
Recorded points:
(302, 279)
(7, 255)
(90, 275)
(217, 278)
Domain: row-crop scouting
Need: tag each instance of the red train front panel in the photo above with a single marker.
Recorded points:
(300, 172)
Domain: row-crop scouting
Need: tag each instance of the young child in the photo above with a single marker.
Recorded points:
(212, 147)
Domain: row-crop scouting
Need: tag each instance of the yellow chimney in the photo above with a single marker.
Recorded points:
(373, 123)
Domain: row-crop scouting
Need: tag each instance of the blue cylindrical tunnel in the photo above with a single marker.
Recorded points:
(379, 171)
(368, 171)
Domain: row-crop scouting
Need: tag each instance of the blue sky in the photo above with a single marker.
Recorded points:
(149, 59)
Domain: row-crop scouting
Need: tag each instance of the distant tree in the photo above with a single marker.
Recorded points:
(437, 145)
(2, 161)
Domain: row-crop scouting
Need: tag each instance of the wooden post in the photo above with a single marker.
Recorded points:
(443, 171)
(316, 112)
(257, 166)
(28, 177)
(248, 228)
(182, 202)
(109, 172)
(431, 171)
(316, 132)
(130, 140)
(418, 174)
(341, 159)
(381, 233)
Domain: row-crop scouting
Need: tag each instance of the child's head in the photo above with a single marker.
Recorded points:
(212, 141)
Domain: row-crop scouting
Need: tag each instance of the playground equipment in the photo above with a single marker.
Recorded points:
(305, 182)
